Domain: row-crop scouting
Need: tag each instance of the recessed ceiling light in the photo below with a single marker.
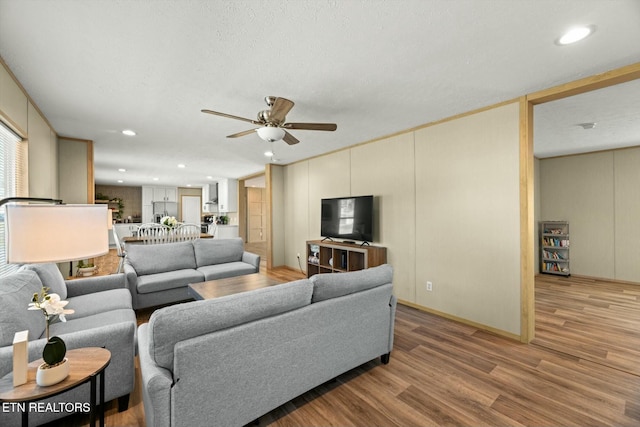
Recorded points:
(575, 35)
(209, 177)
(155, 179)
(122, 170)
(268, 153)
(120, 181)
(188, 185)
(181, 166)
(129, 132)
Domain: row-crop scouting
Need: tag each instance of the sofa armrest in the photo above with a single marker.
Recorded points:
(253, 259)
(118, 338)
(90, 285)
(156, 384)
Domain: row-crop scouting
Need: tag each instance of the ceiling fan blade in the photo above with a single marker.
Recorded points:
(289, 139)
(215, 113)
(311, 126)
(279, 110)
(243, 133)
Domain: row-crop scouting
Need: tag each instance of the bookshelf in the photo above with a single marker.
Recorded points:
(554, 247)
(337, 257)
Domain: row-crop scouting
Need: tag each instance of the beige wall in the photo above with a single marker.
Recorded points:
(447, 205)
(627, 214)
(43, 157)
(599, 194)
(468, 218)
(14, 106)
(72, 180)
(275, 215)
(42, 166)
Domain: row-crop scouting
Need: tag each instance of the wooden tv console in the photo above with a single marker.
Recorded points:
(338, 257)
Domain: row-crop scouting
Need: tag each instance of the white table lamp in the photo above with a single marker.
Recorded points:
(55, 233)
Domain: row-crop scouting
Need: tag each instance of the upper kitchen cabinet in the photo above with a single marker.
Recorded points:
(165, 194)
(228, 195)
(13, 102)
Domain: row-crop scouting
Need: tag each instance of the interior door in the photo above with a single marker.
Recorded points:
(190, 209)
(257, 214)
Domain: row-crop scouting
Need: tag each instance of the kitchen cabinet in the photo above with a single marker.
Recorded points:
(123, 230)
(228, 195)
(165, 194)
(147, 204)
(227, 231)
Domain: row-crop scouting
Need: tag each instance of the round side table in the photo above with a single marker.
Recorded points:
(85, 365)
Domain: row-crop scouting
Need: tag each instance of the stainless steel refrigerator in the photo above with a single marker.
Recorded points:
(161, 209)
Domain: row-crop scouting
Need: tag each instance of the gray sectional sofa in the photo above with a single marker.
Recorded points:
(227, 361)
(103, 317)
(159, 274)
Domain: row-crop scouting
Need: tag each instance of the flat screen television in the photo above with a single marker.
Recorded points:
(349, 218)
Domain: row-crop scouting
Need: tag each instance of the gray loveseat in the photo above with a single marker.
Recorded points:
(227, 361)
(159, 274)
(103, 318)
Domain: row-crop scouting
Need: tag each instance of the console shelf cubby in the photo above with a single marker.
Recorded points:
(337, 257)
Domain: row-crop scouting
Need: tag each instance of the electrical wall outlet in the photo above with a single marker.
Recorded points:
(429, 286)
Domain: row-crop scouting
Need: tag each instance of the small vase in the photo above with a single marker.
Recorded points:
(53, 374)
(86, 271)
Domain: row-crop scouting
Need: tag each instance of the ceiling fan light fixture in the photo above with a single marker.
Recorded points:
(270, 133)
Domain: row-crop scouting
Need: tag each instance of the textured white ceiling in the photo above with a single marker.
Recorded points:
(373, 67)
(614, 110)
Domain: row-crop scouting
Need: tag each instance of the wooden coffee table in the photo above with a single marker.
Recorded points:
(85, 364)
(232, 285)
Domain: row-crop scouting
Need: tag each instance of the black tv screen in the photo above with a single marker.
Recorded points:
(348, 218)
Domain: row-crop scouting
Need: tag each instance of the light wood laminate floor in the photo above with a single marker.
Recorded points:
(448, 374)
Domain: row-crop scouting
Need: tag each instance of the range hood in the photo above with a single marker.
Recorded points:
(211, 203)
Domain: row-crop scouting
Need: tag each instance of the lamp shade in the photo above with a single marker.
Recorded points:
(270, 133)
(55, 233)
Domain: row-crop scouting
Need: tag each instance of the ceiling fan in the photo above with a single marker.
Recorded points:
(272, 122)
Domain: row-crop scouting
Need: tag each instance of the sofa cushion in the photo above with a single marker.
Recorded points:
(16, 292)
(50, 277)
(170, 325)
(218, 251)
(99, 302)
(94, 321)
(228, 269)
(333, 285)
(168, 280)
(150, 259)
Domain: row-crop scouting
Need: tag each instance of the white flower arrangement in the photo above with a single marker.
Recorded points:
(169, 221)
(51, 306)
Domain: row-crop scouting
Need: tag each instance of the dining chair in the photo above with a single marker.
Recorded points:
(186, 232)
(133, 230)
(153, 233)
(120, 249)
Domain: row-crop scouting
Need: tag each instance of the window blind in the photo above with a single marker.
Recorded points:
(12, 182)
